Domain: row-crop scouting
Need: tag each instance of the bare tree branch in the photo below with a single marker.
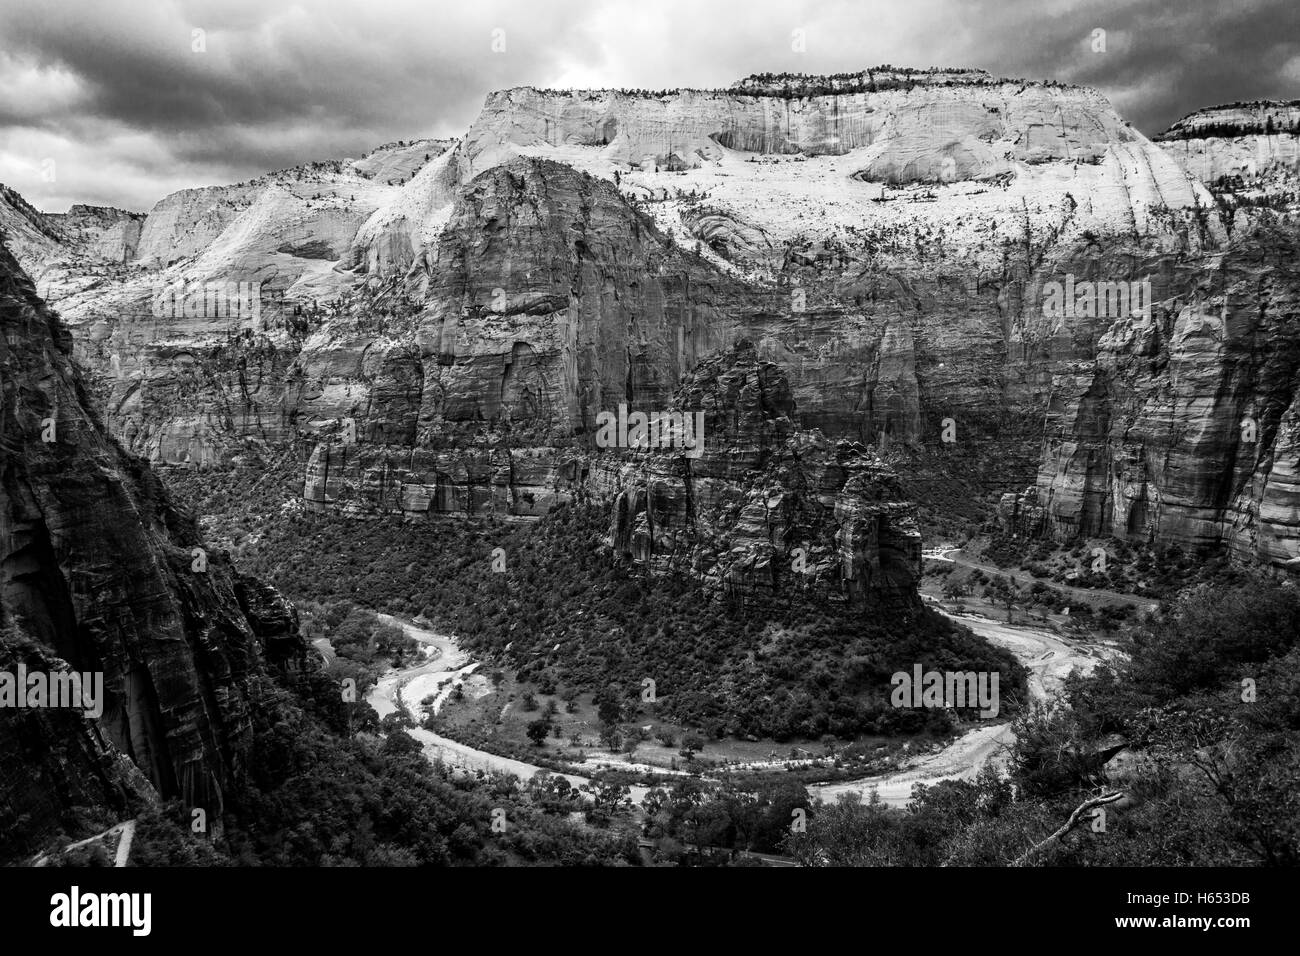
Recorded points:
(1075, 819)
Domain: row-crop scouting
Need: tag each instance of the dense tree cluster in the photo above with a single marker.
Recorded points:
(570, 614)
(316, 798)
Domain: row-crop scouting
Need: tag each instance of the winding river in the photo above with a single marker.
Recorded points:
(447, 664)
(1048, 657)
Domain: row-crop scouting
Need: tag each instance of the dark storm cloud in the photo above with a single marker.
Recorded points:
(1162, 60)
(114, 94)
(275, 84)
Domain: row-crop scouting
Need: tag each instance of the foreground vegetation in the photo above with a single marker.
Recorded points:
(1206, 709)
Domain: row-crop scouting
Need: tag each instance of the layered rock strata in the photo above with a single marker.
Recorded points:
(888, 239)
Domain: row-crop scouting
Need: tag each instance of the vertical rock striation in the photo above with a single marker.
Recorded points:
(765, 508)
(99, 573)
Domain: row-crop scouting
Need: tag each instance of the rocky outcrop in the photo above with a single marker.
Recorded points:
(1235, 120)
(74, 247)
(764, 508)
(101, 233)
(1247, 154)
(547, 299)
(1178, 430)
(273, 620)
(31, 235)
(99, 573)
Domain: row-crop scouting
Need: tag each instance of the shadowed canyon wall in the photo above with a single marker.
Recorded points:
(99, 573)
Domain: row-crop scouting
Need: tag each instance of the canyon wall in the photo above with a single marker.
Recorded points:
(979, 131)
(100, 573)
(442, 321)
(1179, 428)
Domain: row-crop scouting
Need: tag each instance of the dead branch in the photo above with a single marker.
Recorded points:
(1075, 819)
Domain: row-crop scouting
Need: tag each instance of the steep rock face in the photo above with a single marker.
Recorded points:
(273, 619)
(192, 384)
(546, 300)
(930, 130)
(191, 402)
(29, 233)
(68, 251)
(887, 239)
(309, 212)
(187, 222)
(894, 269)
(872, 240)
(1248, 154)
(765, 507)
(410, 219)
(100, 232)
(534, 334)
(99, 571)
(53, 760)
(1178, 430)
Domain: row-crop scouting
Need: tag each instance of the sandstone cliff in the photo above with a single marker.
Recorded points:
(100, 233)
(1248, 155)
(875, 239)
(765, 507)
(546, 300)
(1177, 428)
(99, 573)
(30, 234)
(887, 239)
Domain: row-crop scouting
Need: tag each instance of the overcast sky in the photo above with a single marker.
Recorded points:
(108, 102)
